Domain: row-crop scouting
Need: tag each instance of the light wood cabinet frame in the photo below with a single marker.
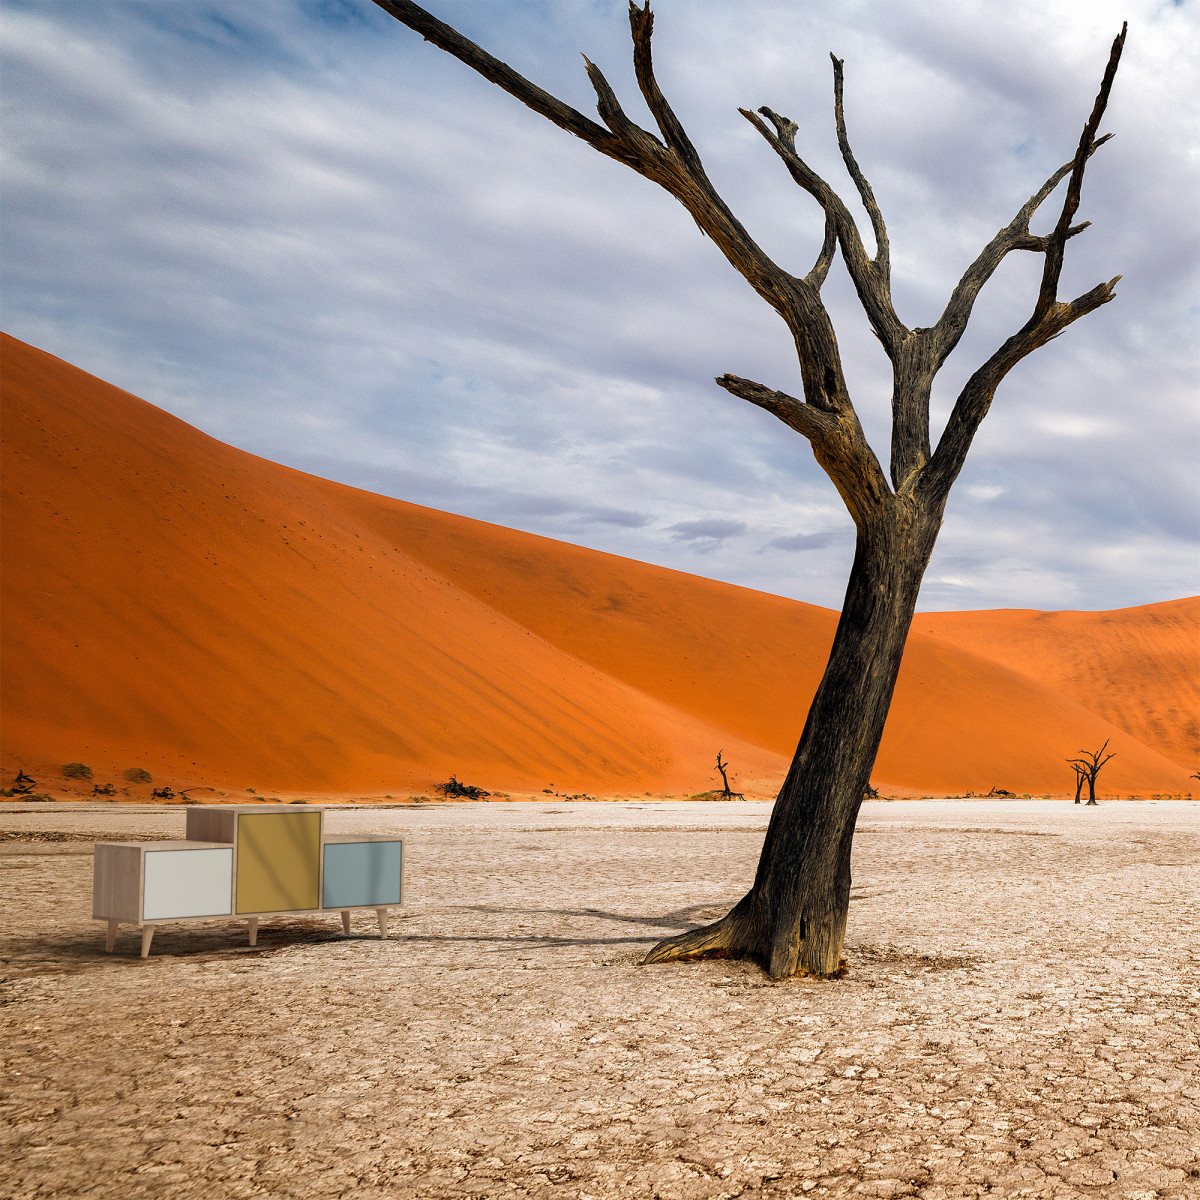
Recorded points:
(120, 883)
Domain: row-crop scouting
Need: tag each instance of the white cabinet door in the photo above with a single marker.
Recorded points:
(188, 883)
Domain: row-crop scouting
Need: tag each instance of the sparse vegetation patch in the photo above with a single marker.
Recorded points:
(452, 787)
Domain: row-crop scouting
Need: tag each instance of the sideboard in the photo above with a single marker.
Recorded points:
(245, 863)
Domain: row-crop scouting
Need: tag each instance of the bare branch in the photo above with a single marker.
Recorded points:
(882, 252)
(501, 74)
(1048, 295)
(976, 396)
(641, 25)
(837, 440)
(820, 270)
(1050, 316)
(803, 418)
(631, 135)
(1015, 235)
(674, 167)
(872, 290)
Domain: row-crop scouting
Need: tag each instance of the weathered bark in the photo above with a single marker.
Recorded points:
(794, 917)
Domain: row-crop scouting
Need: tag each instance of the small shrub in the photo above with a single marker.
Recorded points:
(137, 775)
(76, 771)
(295, 801)
(453, 788)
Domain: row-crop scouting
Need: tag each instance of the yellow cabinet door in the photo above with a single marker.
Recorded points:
(278, 862)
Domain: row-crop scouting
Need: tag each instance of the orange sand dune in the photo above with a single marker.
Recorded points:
(1138, 668)
(173, 603)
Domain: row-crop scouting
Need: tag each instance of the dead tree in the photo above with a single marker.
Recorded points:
(1088, 767)
(1080, 776)
(794, 917)
(723, 767)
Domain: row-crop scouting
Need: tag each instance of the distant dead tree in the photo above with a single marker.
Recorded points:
(1080, 776)
(1088, 767)
(726, 793)
(722, 767)
(793, 919)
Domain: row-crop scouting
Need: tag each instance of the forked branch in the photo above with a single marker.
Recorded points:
(1057, 241)
(641, 25)
(1015, 235)
(1050, 316)
(870, 281)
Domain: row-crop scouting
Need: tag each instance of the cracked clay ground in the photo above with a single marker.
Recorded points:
(1020, 1017)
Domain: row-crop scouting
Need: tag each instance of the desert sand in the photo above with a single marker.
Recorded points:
(1019, 1018)
(175, 604)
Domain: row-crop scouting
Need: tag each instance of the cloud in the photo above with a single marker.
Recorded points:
(802, 541)
(309, 233)
(712, 530)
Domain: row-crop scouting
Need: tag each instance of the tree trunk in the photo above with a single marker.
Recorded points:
(1091, 789)
(1078, 786)
(794, 918)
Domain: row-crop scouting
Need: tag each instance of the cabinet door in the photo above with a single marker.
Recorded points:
(362, 874)
(278, 863)
(187, 883)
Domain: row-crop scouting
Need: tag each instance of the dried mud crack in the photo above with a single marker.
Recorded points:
(1020, 1018)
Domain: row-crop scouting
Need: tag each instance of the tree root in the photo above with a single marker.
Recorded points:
(717, 940)
(734, 937)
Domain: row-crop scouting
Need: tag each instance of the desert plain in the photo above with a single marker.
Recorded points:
(1019, 1017)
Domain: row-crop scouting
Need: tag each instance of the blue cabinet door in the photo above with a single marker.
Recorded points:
(362, 874)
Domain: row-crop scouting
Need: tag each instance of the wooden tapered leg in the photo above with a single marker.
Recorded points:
(111, 940)
(345, 920)
(252, 930)
(381, 913)
(147, 934)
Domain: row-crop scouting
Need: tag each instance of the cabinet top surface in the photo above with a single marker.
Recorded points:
(170, 845)
(294, 809)
(342, 838)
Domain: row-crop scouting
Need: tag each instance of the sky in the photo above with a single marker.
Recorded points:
(303, 230)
